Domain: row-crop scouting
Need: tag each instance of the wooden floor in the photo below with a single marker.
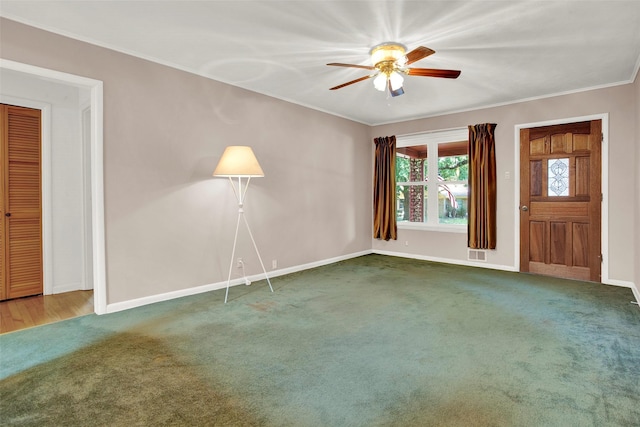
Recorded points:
(27, 312)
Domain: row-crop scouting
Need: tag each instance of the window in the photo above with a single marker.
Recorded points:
(435, 157)
(558, 174)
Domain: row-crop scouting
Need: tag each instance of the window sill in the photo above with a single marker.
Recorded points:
(443, 228)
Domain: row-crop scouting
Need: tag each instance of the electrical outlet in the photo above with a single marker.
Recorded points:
(274, 264)
(239, 264)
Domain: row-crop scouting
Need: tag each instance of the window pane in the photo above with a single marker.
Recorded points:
(452, 203)
(402, 194)
(558, 184)
(411, 203)
(453, 168)
(402, 168)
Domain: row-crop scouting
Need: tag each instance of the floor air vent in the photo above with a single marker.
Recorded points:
(477, 255)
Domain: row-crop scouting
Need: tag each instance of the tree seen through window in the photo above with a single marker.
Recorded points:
(451, 170)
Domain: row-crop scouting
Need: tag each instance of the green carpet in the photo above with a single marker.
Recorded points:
(372, 341)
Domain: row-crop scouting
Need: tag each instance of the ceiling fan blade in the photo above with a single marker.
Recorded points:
(366, 67)
(418, 53)
(352, 82)
(433, 72)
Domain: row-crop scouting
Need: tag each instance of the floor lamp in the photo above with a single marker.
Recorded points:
(240, 162)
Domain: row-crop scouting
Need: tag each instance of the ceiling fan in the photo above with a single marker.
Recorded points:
(390, 62)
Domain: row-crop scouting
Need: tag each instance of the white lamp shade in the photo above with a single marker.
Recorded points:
(380, 82)
(238, 160)
(396, 80)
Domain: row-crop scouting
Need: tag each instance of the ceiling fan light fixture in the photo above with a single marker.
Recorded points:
(380, 82)
(390, 63)
(395, 80)
(389, 51)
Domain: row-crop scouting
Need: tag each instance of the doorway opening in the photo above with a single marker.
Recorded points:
(552, 229)
(93, 164)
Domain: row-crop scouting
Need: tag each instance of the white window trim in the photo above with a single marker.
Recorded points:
(431, 140)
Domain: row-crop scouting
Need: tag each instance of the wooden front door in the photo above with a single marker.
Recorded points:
(560, 200)
(20, 203)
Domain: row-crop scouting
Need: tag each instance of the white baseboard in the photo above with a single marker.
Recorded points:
(625, 284)
(632, 286)
(636, 295)
(311, 265)
(125, 305)
(613, 282)
(481, 264)
(622, 283)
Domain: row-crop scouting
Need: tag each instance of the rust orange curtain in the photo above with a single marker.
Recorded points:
(482, 187)
(384, 189)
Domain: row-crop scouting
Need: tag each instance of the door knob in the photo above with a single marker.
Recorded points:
(524, 208)
(8, 214)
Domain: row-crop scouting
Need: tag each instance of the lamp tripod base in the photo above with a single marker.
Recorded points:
(233, 253)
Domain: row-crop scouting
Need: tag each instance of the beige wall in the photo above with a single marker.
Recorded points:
(620, 102)
(169, 224)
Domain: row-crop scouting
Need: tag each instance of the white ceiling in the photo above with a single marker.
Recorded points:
(508, 51)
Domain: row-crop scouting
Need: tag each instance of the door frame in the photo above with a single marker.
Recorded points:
(604, 172)
(87, 248)
(97, 175)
